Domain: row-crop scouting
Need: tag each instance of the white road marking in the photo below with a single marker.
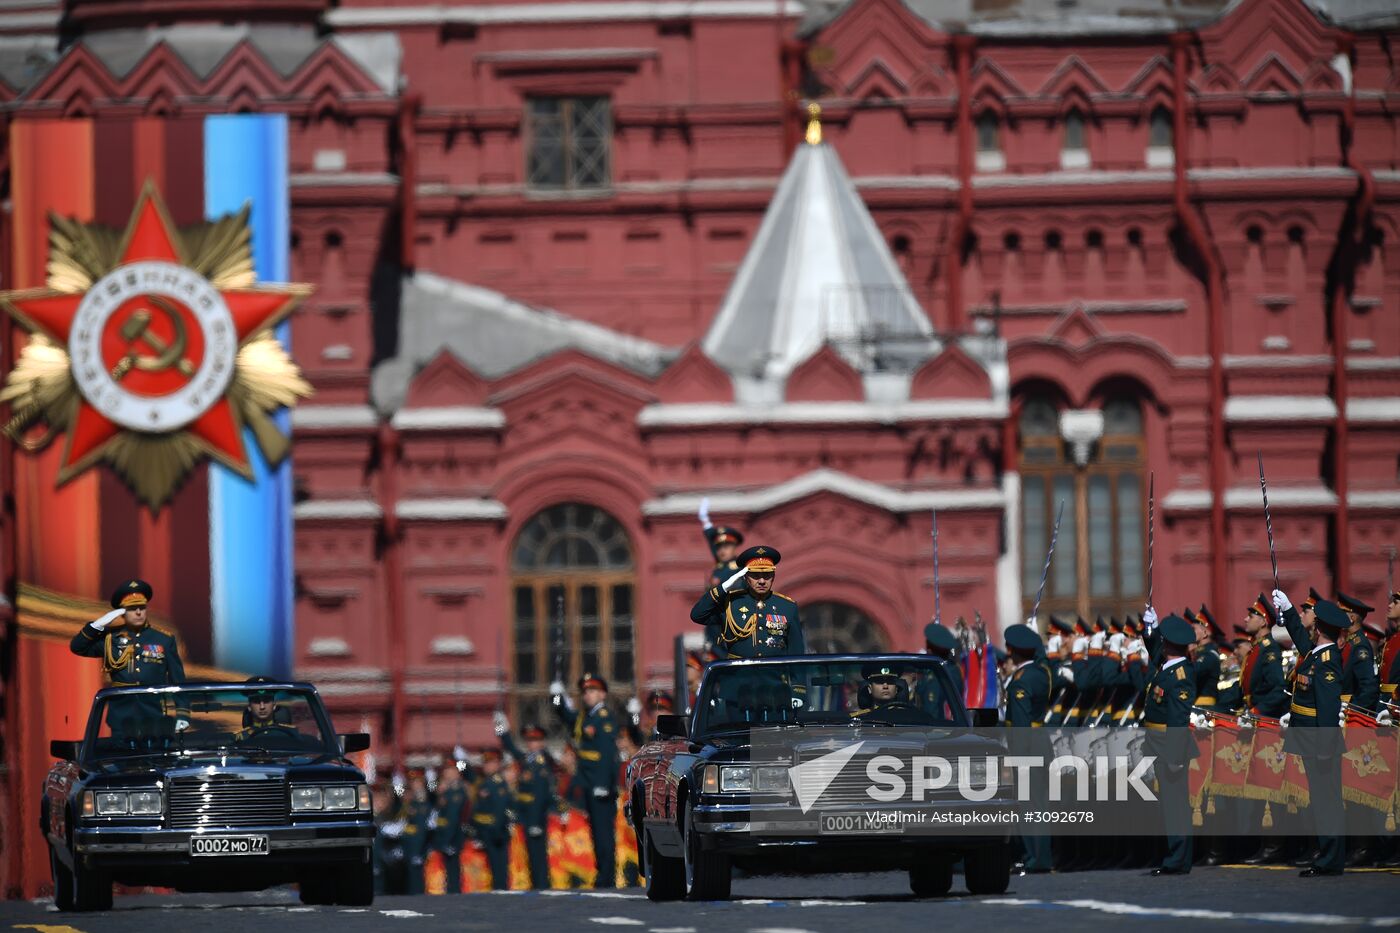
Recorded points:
(618, 921)
(300, 910)
(614, 894)
(820, 902)
(1137, 910)
(671, 930)
(779, 930)
(403, 914)
(754, 900)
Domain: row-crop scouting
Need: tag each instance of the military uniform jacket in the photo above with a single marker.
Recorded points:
(280, 722)
(1390, 666)
(447, 832)
(418, 817)
(1360, 686)
(749, 627)
(595, 742)
(491, 809)
(1261, 677)
(1027, 703)
(148, 658)
(1207, 675)
(1317, 703)
(1167, 714)
(534, 786)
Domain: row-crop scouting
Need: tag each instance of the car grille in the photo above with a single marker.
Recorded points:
(848, 789)
(227, 800)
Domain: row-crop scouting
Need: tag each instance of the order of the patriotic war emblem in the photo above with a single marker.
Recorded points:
(151, 349)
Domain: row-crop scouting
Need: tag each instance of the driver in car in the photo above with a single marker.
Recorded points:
(887, 696)
(263, 715)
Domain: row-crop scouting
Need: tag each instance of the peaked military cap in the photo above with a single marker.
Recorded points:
(1022, 638)
(661, 701)
(1064, 625)
(723, 534)
(532, 731)
(592, 680)
(131, 594)
(760, 559)
(1353, 604)
(1177, 631)
(884, 672)
(1216, 632)
(263, 695)
(1330, 616)
(938, 635)
(1313, 597)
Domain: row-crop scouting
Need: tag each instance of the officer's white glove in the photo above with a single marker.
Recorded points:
(1384, 718)
(556, 688)
(1067, 675)
(1281, 602)
(1030, 620)
(1284, 719)
(108, 619)
(634, 707)
(181, 724)
(499, 723)
(705, 513)
(1195, 720)
(737, 576)
(601, 793)
(1209, 722)
(1149, 618)
(459, 755)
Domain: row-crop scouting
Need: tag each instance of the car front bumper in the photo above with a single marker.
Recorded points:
(740, 826)
(346, 840)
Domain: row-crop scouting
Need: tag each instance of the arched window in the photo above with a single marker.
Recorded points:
(1159, 138)
(1074, 153)
(1096, 472)
(836, 628)
(989, 155)
(573, 584)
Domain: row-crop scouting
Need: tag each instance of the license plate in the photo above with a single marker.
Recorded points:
(857, 824)
(228, 845)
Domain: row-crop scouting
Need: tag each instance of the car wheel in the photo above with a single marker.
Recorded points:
(988, 871)
(707, 874)
(92, 890)
(354, 887)
(931, 878)
(665, 876)
(62, 882)
(317, 888)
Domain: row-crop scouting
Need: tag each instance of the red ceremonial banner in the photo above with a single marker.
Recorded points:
(1370, 766)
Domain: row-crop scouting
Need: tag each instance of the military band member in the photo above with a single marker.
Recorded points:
(756, 621)
(724, 543)
(1390, 655)
(1361, 689)
(1027, 703)
(1207, 659)
(134, 653)
(1262, 676)
(447, 834)
(1167, 716)
(535, 795)
(595, 742)
(1312, 731)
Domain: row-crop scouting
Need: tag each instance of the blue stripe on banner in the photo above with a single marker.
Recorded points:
(250, 523)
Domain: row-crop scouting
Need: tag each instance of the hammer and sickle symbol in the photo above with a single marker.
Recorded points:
(137, 329)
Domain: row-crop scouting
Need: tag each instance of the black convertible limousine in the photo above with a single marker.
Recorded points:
(209, 787)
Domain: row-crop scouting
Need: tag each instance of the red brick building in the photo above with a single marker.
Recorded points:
(577, 269)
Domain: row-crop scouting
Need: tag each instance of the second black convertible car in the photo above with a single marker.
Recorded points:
(209, 787)
(723, 789)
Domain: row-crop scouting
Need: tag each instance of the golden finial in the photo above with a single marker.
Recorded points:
(814, 124)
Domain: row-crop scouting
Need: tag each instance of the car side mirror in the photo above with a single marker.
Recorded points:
(984, 717)
(670, 726)
(351, 742)
(64, 750)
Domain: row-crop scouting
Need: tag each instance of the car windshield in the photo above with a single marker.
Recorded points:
(248, 722)
(917, 691)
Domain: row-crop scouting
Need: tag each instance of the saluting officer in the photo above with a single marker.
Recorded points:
(447, 834)
(595, 742)
(1312, 731)
(724, 544)
(1167, 716)
(1027, 703)
(491, 818)
(756, 621)
(534, 795)
(134, 654)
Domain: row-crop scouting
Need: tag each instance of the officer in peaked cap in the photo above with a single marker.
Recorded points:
(535, 796)
(1361, 688)
(1027, 706)
(263, 715)
(1167, 716)
(724, 542)
(594, 735)
(929, 690)
(1207, 657)
(491, 817)
(884, 691)
(755, 620)
(134, 653)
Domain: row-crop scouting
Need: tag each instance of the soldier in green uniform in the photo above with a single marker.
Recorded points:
(1361, 692)
(1167, 716)
(1027, 704)
(884, 697)
(134, 654)
(491, 818)
(388, 842)
(594, 733)
(724, 544)
(418, 820)
(1313, 731)
(755, 622)
(264, 719)
(447, 834)
(1209, 637)
(535, 795)
(927, 691)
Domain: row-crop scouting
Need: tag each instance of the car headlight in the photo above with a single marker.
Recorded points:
(306, 798)
(735, 780)
(338, 798)
(145, 803)
(771, 780)
(111, 803)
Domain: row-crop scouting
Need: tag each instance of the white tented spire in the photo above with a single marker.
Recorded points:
(818, 272)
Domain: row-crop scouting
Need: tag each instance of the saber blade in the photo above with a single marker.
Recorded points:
(1049, 555)
(1268, 521)
(1151, 497)
(937, 615)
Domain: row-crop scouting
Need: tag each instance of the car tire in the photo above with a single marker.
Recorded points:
(988, 871)
(317, 888)
(665, 876)
(62, 882)
(707, 874)
(354, 887)
(931, 878)
(92, 890)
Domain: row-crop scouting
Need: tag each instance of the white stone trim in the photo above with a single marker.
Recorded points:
(1374, 410)
(989, 160)
(453, 646)
(1272, 361)
(1055, 179)
(333, 416)
(1374, 363)
(1160, 157)
(328, 648)
(901, 182)
(453, 688)
(1374, 499)
(1276, 173)
(325, 510)
(325, 672)
(716, 414)
(1072, 160)
(449, 418)
(1245, 408)
(340, 179)
(448, 510)
(1240, 498)
(842, 484)
(570, 12)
